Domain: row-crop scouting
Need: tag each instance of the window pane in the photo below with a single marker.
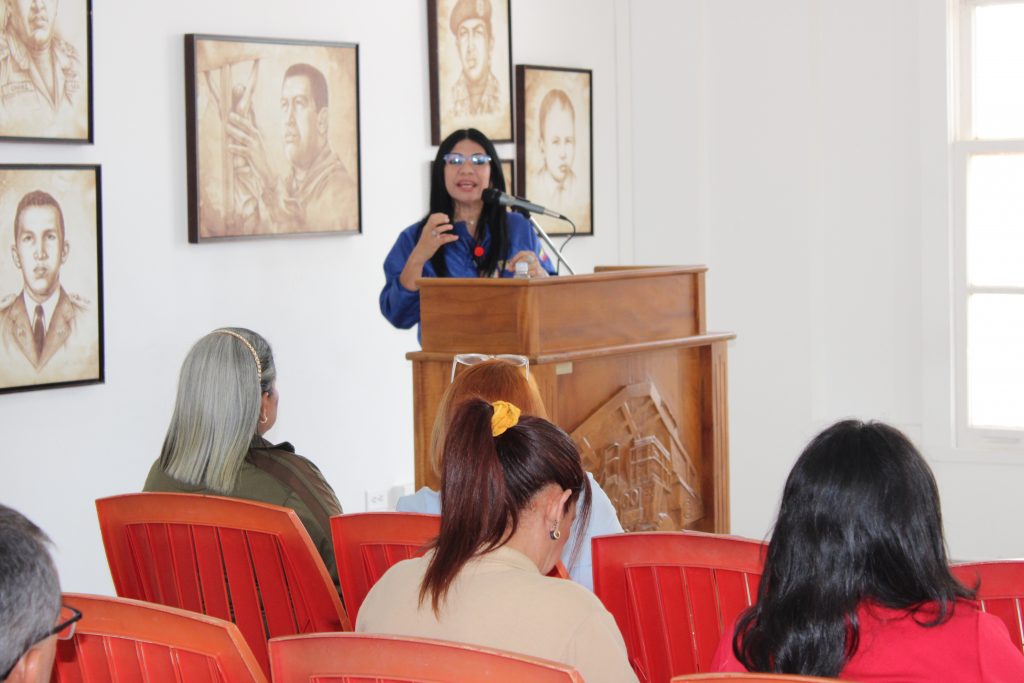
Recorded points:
(995, 220)
(995, 360)
(998, 71)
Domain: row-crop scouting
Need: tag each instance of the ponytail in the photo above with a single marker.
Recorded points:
(471, 474)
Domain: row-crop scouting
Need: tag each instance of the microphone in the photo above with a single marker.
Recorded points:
(493, 195)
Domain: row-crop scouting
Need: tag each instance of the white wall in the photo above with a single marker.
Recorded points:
(345, 385)
(797, 147)
(803, 158)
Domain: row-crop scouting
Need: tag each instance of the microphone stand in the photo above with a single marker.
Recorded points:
(550, 245)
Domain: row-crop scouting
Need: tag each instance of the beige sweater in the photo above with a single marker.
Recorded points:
(501, 600)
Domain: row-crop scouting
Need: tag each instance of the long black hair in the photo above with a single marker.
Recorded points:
(859, 521)
(493, 218)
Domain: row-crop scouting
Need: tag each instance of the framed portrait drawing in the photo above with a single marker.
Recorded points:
(273, 137)
(51, 277)
(554, 144)
(470, 62)
(46, 71)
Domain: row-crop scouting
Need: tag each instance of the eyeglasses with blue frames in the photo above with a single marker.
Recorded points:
(64, 630)
(476, 358)
(456, 159)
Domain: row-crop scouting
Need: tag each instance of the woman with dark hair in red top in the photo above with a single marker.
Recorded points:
(856, 582)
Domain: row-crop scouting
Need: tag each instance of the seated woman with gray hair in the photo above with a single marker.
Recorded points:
(227, 400)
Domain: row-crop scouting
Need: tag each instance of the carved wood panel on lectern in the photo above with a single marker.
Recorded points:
(634, 448)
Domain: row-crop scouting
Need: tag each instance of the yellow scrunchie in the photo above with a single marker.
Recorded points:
(505, 415)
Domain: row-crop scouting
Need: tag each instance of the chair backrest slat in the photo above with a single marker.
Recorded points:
(186, 582)
(269, 566)
(158, 664)
(209, 577)
(673, 594)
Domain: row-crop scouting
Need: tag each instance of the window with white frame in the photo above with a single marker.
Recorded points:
(988, 192)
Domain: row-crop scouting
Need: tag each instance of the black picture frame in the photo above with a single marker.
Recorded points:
(61, 110)
(562, 97)
(508, 168)
(246, 144)
(462, 94)
(57, 262)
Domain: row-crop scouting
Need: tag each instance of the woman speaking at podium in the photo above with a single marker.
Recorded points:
(461, 236)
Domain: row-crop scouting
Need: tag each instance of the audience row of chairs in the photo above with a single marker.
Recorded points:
(119, 640)
(672, 595)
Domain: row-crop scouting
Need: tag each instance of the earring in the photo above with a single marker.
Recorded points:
(556, 534)
(263, 419)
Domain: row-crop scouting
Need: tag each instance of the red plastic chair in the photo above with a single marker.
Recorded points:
(246, 562)
(125, 641)
(753, 678)
(360, 657)
(559, 571)
(1000, 591)
(366, 544)
(674, 593)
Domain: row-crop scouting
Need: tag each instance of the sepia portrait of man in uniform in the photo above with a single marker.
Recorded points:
(46, 333)
(469, 41)
(477, 91)
(43, 78)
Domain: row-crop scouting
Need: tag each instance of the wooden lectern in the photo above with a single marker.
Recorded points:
(624, 364)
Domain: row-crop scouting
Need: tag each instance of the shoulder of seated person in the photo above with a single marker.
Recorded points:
(262, 444)
(425, 501)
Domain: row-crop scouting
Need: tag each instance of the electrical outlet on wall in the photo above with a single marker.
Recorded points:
(376, 501)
